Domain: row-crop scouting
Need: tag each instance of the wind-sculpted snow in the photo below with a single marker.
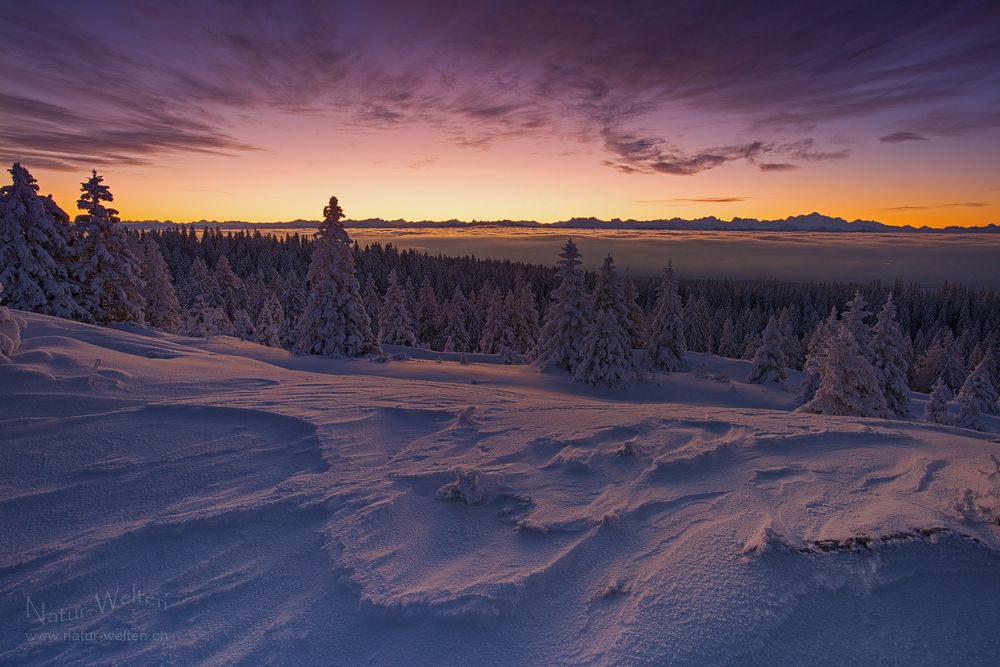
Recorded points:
(240, 504)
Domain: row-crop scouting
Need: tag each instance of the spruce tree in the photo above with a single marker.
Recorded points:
(567, 318)
(230, 290)
(495, 321)
(410, 298)
(524, 317)
(427, 313)
(292, 297)
(848, 385)
(665, 349)
(395, 324)
(506, 341)
(637, 329)
(697, 325)
(769, 360)
(888, 352)
(976, 397)
(791, 346)
(201, 282)
(203, 319)
(607, 350)
(856, 315)
(727, 340)
(937, 405)
(953, 368)
(930, 366)
(816, 356)
(36, 251)
(335, 322)
(162, 309)
(373, 303)
(109, 269)
(243, 327)
(456, 331)
(270, 321)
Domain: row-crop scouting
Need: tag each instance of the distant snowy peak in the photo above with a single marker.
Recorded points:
(811, 222)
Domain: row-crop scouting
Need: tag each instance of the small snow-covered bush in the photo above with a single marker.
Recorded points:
(10, 331)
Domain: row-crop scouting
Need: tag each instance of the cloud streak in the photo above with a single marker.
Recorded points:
(900, 137)
(927, 207)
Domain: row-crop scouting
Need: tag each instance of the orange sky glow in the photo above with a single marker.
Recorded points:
(540, 112)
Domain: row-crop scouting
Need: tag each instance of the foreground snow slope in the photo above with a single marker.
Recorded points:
(219, 502)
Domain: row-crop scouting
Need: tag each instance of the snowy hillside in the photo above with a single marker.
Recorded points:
(186, 500)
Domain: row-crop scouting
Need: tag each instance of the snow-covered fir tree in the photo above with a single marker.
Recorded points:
(270, 321)
(229, 288)
(108, 267)
(427, 312)
(888, 353)
(205, 320)
(395, 324)
(991, 356)
(637, 329)
(937, 404)
(666, 346)
(856, 315)
(162, 308)
(929, 366)
(10, 330)
(727, 340)
(567, 318)
(456, 330)
(848, 385)
(373, 303)
(474, 320)
(791, 346)
(335, 321)
(243, 327)
(978, 396)
(410, 299)
(977, 355)
(36, 251)
(607, 350)
(816, 356)
(507, 342)
(953, 367)
(494, 320)
(200, 281)
(769, 359)
(524, 317)
(697, 325)
(292, 294)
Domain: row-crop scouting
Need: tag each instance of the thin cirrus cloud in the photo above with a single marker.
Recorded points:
(694, 200)
(163, 78)
(927, 207)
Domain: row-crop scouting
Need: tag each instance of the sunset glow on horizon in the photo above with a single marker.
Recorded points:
(534, 111)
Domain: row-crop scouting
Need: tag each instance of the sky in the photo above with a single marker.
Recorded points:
(539, 110)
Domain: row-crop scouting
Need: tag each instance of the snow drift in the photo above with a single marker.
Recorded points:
(220, 501)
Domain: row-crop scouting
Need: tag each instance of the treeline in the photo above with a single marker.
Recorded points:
(280, 291)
